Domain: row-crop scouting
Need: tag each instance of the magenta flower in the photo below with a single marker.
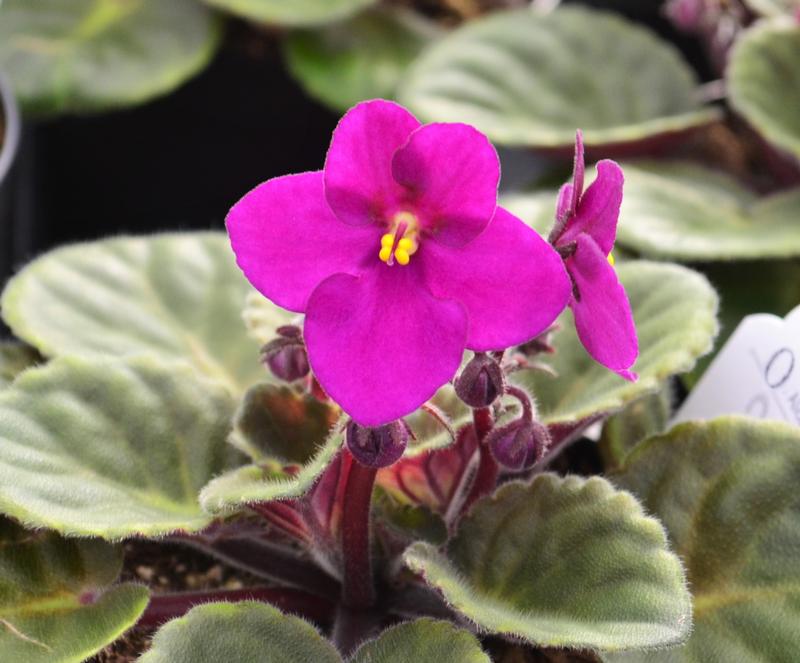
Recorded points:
(400, 258)
(584, 234)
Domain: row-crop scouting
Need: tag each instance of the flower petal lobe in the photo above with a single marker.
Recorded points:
(381, 344)
(512, 283)
(359, 185)
(287, 240)
(598, 210)
(602, 312)
(452, 172)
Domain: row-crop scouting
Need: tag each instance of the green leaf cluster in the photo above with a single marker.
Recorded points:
(258, 632)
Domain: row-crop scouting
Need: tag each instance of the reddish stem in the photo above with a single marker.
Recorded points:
(358, 591)
(316, 390)
(163, 607)
(488, 470)
(284, 517)
(483, 422)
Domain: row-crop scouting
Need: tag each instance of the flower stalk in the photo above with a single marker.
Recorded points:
(358, 591)
(488, 469)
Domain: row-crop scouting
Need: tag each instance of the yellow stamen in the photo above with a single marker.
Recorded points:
(401, 243)
(611, 260)
(407, 245)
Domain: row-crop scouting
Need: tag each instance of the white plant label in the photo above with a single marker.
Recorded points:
(756, 373)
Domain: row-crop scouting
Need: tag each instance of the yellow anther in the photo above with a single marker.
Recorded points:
(611, 260)
(408, 245)
(401, 243)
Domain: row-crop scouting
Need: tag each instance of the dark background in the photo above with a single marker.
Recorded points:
(181, 161)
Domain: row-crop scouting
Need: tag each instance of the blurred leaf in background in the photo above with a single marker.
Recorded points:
(764, 81)
(292, 12)
(529, 79)
(363, 57)
(94, 55)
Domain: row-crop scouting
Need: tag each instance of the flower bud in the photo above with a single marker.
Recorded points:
(481, 381)
(687, 15)
(377, 447)
(520, 444)
(542, 344)
(286, 355)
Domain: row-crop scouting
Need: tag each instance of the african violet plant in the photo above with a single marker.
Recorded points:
(375, 428)
(366, 491)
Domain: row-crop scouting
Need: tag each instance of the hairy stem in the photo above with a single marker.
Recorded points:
(163, 607)
(486, 476)
(358, 591)
(351, 627)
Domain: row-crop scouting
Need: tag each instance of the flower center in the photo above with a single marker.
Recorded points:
(400, 244)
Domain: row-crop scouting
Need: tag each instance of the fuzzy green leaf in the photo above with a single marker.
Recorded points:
(15, 358)
(361, 58)
(563, 563)
(641, 419)
(764, 81)
(268, 481)
(727, 492)
(278, 423)
(56, 605)
(412, 522)
(675, 313)
(261, 317)
(526, 78)
(292, 12)
(111, 448)
(90, 55)
(178, 296)
(246, 632)
(686, 212)
(422, 641)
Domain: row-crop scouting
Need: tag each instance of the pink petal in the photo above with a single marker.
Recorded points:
(452, 172)
(564, 204)
(287, 240)
(381, 344)
(598, 211)
(578, 171)
(512, 283)
(602, 313)
(358, 170)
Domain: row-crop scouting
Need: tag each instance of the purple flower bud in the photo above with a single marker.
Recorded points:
(377, 447)
(289, 331)
(687, 15)
(542, 344)
(520, 444)
(481, 381)
(286, 355)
